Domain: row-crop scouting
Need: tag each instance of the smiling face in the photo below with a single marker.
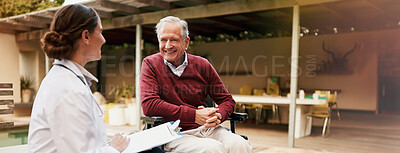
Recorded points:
(172, 45)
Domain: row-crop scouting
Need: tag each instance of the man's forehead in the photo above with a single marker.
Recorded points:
(170, 36)
(170, 31)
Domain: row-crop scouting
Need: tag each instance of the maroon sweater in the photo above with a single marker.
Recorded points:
(172, 97)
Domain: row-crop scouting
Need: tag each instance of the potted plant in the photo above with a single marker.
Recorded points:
(126, 94)
(26, 89)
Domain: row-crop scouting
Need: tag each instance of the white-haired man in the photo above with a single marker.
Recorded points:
(175, 84)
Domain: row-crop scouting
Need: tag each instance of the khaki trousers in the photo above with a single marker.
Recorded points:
(212, 140)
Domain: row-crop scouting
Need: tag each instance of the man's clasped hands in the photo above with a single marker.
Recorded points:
(208, 117)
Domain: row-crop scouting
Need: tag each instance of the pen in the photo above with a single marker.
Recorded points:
(121, 133)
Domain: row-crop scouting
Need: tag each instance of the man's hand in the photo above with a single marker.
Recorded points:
(203, 114)
(208, 117)
(213, 121)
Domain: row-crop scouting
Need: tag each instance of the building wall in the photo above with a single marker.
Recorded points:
(32, 61)
(41, 62)
(9, 63)
(28, 66)
(116, 68)
(271, 57)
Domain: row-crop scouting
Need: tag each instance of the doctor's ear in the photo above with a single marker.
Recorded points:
(85, 35)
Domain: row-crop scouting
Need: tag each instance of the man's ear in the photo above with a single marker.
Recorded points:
(85, 36)
(187, 42)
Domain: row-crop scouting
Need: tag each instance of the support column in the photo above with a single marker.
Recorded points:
(137, 74)
(293, 73)
(47, 64)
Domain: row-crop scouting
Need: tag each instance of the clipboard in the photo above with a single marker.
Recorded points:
(153, 137)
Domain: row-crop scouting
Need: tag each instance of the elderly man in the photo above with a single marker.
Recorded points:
(175, 84)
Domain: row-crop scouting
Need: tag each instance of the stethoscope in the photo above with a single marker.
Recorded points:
(84, 82)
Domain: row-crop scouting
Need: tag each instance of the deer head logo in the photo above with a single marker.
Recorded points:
(336, 63)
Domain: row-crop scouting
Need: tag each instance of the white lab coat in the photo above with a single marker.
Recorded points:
(65, 116)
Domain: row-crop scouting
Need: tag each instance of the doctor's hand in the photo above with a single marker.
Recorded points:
(119, 142)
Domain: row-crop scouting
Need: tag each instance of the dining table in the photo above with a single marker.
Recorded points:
(303, 124)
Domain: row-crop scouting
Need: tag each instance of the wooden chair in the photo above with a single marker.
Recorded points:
(248, 90)
(323, 111)
(244, 90)
(332, 102)
(261, 107)
(6, 90)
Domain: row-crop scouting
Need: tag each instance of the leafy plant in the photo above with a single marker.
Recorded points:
(16, 7)
(26, 82)
(247, 35)
(126, 91)
(225, 37)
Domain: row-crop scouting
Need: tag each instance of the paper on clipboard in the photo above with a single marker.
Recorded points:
(151, 138)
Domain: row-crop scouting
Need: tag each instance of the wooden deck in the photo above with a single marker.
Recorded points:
(356, 132)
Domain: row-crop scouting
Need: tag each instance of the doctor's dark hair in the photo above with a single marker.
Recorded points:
(66, 28)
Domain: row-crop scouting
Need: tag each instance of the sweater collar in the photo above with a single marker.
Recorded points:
(179, 69)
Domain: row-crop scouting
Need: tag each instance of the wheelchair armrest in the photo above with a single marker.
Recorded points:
(238, 117)
(152, 121)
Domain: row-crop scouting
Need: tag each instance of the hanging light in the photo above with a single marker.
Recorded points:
(305, 30)
(335, 30)
(316, 32)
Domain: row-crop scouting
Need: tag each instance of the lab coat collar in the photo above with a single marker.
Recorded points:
(78, 69)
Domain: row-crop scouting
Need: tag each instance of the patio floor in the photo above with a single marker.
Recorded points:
(356, 132)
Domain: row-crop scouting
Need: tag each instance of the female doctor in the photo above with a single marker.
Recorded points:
(65, 116)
